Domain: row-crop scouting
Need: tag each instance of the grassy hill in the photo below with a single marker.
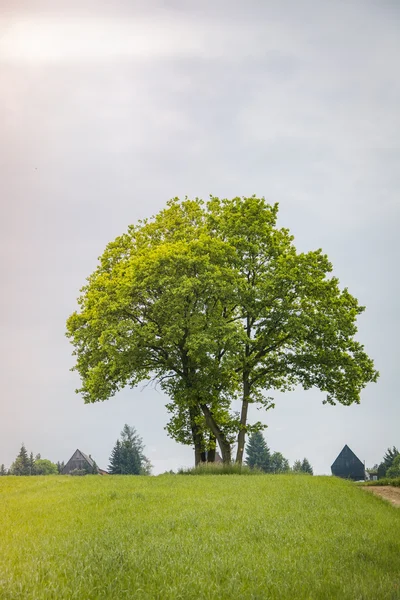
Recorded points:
(212, 537)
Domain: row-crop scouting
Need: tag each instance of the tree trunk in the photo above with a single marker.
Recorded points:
(219, 435)
(211, 449)
(198, 440)
(243, 419)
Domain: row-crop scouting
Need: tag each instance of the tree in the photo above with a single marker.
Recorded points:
(3, 470)
(258, 453)
(43, 466)
(306, 467)
(115, 466)
(297, 466)
(21, 465)
(31, 464)
(387, 461)
(60, 466)
(214, 303)
(127, 456)
(278, 463)
(394, 469)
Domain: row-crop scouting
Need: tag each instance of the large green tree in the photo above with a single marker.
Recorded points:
(214, 303)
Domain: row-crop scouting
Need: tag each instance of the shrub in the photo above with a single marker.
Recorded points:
(219, 469)
(386, 481)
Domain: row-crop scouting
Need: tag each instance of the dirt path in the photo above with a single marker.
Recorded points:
(386, 491)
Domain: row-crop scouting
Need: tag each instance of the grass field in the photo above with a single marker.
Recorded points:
(219, 537)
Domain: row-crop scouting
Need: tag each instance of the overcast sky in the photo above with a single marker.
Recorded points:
(108, 109)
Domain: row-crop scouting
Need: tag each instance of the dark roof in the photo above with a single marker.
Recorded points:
(348, 465)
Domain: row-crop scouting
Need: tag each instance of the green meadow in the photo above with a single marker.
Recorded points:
(211, 537)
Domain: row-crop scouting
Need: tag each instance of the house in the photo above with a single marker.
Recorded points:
(348, 465)
(79, 461)
(217, 458)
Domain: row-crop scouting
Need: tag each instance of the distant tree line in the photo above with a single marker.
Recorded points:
(28, 464)
(258, 456)
(127, 458)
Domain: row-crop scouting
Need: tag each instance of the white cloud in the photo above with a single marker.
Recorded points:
(50, 39)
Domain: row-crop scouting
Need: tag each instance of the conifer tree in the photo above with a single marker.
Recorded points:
(278, 463)
(297, 466)
(306, 467)
(3, 470)
(21, 464)
(387, 461)
(31, 464)
(258, 453)
(394, 470)
(127, 456)
(115, 460)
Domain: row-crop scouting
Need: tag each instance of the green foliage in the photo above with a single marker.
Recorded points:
(43, 466)
(60, 466)
(385, 481)
(3, 470)
(394, 470)
(258, 453)
(220, 469)
(278, 463)
(22, 464)
(127, 456)
(387, 461)
(297, 466)
(306, 467)
(215, 304)
(211, 537)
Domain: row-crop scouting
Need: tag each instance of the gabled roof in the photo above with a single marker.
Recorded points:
(78, 455)
(347, 455)
(348, 465)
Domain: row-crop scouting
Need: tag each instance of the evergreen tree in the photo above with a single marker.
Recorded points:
(31, 464)
(114, 467)
(127, 456)
(306, 467)
(60, 466)
(3, 470)
(394, 469)
(258, 453)
(387, 462)
(278, 463)
(297, 466)
(21, 465)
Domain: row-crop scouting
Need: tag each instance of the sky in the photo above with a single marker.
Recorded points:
(107, 110)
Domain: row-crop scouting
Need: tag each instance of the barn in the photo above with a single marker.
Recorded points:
(348, 465)
(79, 461)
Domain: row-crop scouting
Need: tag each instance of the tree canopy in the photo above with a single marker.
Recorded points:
(213, 302)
